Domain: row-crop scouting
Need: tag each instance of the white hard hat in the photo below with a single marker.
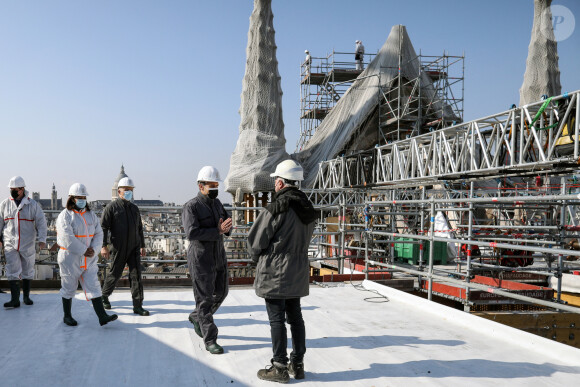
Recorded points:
(209, 174)
(78, 189)
(306, 51)
(126, 182)
(16, 182)
(290, 170)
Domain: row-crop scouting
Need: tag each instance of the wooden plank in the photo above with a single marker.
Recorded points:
(505, 284)
(561, 327)
(344, 75)
(571, 298)
(518, 276)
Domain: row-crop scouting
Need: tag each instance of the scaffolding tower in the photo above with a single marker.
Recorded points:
(404, 109)
(323, 82)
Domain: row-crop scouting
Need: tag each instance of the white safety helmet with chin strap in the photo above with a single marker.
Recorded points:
(78, 189)
(16, 182)
(126, 182)
(209, 174)
(289, 170)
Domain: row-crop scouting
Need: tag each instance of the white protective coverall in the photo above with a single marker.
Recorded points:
(76, 232)
(19, 226)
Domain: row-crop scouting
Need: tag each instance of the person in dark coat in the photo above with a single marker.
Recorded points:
(278, 242)
(205, 221)
(123, 229)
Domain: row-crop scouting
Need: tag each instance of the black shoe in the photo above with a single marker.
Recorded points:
(214, 348)
(296, 369)
(26, 292)
(15, 293)
(107, 319)
(66, 307)
(68, 320)
(140, 311)
(99, 308)
(106, 302)
(277, 372)
(196, 326)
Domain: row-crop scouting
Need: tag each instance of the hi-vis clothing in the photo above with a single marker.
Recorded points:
(76, 231)
(19, 226)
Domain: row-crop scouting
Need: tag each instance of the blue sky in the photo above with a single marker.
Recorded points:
(155, 85)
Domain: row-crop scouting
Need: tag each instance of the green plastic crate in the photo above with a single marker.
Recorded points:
(409, 252)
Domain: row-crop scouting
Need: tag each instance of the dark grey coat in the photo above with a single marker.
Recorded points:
(279, 241)
(200, 220)
(122, 226)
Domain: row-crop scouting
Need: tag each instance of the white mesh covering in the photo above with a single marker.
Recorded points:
(261, 144)
(346, 120)
(542, 74)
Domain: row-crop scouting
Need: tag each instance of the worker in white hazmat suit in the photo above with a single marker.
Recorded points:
(79, 235)
(21, 221)
(307, 62)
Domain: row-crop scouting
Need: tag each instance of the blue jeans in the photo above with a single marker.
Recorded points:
(280, 311)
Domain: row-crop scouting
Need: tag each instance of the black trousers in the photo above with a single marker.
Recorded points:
(279, 312)
(210, 289)
(121, 258)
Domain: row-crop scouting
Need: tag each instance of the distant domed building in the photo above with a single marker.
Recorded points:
(138, 202)
(122, 174)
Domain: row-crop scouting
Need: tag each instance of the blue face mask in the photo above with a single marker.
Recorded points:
(128, 195)
(81, 203)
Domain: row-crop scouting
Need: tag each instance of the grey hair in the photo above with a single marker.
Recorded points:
(290, 183)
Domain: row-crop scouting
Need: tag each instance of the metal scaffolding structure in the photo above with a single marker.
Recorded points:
(405, 111)
(403, 108)
(323, 81)
(505, 187)
(500, 236)
(528, 140)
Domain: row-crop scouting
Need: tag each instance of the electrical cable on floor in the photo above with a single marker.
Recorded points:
(379, 298)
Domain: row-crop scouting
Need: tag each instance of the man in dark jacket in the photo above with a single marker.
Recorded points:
(278, 241)
(205, 221)
(123, 229)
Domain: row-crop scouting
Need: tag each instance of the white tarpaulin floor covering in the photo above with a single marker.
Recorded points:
(404, 342)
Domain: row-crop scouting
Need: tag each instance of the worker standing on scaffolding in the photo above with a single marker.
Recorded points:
(278, 241)
(359, 54)
(307, 62)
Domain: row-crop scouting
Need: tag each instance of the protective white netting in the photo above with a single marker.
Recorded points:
(341, 129)
(261, 143)
(542, 74)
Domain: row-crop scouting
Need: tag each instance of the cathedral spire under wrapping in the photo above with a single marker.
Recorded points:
(261, 143)
(542, 74)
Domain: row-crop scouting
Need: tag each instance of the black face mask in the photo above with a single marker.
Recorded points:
(14, 193)
(213, 193)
